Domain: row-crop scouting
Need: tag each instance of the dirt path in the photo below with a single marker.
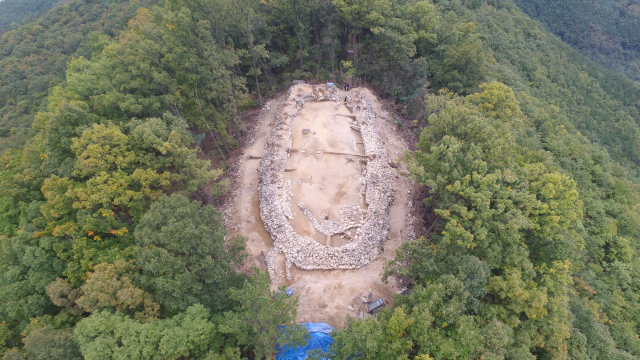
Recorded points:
(325, 296)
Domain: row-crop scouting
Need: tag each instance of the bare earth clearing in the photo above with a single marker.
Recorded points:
(325, 173)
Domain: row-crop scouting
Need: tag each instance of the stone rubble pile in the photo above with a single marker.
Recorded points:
(284, 196)
(326, 226)
(373, 226)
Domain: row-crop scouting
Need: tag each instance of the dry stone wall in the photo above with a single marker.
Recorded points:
(274, 192)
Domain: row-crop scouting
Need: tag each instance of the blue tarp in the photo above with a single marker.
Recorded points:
(320, 339)
(318, 327)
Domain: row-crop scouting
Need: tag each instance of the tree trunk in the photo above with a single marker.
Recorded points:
(320, 51)
(366, 69)
(355, 59)
(224, 143)
(235, 98)
(300, 43)
(253, 60)
(299, 31)
(266, 72)
(333, 69)
(195, 89)
(233, 88)
(209, 128)
(233, 84)
(215, 118)
(255, 76)
(333, 53)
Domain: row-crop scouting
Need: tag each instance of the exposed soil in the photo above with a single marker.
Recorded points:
(325, 182)
(324, 167)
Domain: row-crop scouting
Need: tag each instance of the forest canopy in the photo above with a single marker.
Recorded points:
(117, 119)
(14, 12)
(606, 31)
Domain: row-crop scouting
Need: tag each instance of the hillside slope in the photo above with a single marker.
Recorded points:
(607, 31)
(581, 120)
(18, 11)
(34, 57)
(528, 160)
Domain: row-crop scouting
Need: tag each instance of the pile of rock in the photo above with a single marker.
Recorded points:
(326, 226)
(373, 227)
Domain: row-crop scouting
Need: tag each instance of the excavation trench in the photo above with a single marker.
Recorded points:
(325, 295)
(325, 182)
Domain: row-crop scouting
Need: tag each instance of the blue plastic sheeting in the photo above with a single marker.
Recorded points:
(318, 327)
(320, 339)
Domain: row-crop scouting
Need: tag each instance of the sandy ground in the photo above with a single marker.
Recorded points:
(324, 179)
(324, 169)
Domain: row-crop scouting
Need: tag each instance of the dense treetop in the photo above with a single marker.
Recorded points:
(14, 12)
(34, 56)
(117, 117)
(608, 31)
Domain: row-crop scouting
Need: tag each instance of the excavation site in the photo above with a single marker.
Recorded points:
(322, 201)
(334, 172)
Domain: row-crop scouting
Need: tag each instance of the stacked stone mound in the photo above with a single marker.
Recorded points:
(373, 230)
(327, 227)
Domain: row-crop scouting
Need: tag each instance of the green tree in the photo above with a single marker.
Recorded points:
(61, 127)
(62, 294)
(441, 325)
(517, 220)
(105, 335)
(116, 178)
(300, 11)
(183, 255)
(113, 287)
(17, 11)
(44, 343)
(463, 64)
(20, 183)
(167, 61)
(5, 337)
(362, 15)
(374, 339)
(247, 15)
(263, 318)
(227, 354)
(33, 56)
(27, 265)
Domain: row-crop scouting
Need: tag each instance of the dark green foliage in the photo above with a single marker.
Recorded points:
(34, 57)
(505, 233)
(13, 12)
(531, 180)
(27, 266)
(76, 190)
(66, 123)
(104, 335)
(384, 338)
(181, 251)
(20, 182)
(44, 343)
(606, 31)
(255, 323)
(117, 175)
